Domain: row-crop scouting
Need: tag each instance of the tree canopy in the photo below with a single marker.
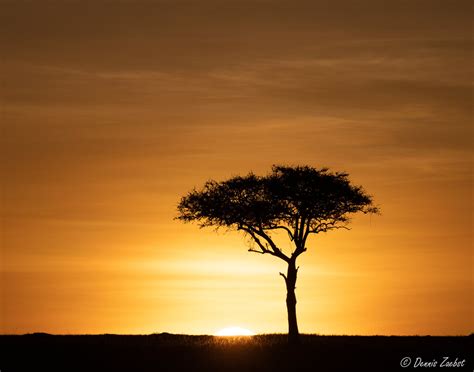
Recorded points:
(300, 200)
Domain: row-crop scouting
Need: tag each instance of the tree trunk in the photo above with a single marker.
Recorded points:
(290, 279)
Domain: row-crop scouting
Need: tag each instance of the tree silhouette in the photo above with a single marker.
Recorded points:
(299, 200)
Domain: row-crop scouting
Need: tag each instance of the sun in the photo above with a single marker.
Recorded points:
(234, 331)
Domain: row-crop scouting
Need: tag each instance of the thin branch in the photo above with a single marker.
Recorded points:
(274, 252)
(326, 226)
(290, 234)
(301, 243)
(256, 251)
(259, 243)
(306, 233)
(296, 227)
(301, 229)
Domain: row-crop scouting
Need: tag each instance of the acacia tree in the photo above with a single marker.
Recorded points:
(299, 200)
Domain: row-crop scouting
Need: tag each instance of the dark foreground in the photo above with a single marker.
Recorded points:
(166, 352)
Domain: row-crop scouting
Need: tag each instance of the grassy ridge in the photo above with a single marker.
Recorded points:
(166, 352)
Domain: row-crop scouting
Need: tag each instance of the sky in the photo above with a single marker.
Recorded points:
(112, 110)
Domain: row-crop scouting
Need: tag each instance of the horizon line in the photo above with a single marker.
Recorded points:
(247, 336)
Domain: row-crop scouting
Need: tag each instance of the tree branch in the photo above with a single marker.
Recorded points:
(296, 227)
(306, 232)
(326, 226)
(290, 234)
(298, 251)
(303, 235)
(277, 252)
(301, 229)
(259, 243)
(256, 251)
(274, 251)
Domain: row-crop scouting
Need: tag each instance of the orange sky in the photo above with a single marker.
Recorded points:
(111, 112)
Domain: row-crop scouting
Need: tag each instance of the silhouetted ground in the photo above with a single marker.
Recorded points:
(166, 352)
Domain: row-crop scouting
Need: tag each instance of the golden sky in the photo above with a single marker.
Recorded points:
(112, 110)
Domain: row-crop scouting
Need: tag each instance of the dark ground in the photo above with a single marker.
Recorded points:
(166, 352)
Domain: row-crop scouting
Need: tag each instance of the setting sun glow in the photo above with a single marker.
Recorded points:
(234, 331)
